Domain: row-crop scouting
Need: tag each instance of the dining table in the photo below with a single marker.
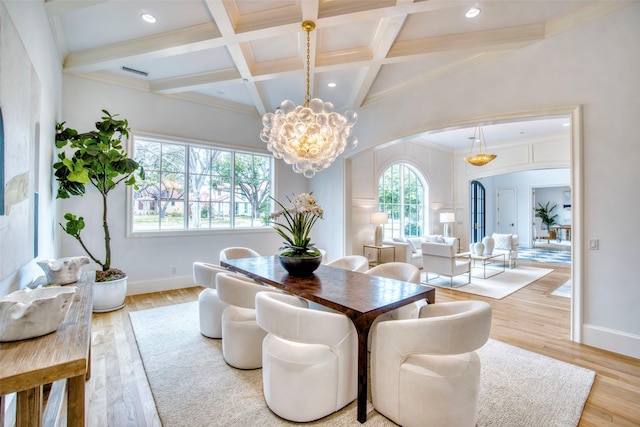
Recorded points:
(360, 296)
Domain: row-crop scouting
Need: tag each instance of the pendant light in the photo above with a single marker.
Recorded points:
(482, 157)
(309, 136)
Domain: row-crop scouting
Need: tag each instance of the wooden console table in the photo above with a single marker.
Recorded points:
(61, 358)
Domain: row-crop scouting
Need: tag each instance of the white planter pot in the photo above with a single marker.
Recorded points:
(109, 296)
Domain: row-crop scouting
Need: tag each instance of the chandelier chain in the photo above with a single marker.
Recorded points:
(307, 98)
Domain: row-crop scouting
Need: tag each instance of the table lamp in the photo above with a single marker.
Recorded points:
(447, 218)
(379, 218)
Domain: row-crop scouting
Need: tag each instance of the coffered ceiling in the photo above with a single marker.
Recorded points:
(249, 55)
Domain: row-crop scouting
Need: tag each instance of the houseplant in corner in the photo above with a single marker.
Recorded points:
(545, 213)
(299, 256)
(97, 158)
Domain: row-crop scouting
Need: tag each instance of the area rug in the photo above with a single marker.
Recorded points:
(497, 287)
(564, 290)
(193, 386)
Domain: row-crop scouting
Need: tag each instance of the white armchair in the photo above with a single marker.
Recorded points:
(508, 245)
(440, 258)
(236, 252)
(356, 263)
(430, 359)
(409, 250)
(210, 307)
(309, 358)
(241, 335)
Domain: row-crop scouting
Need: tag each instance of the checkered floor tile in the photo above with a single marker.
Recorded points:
(545, 255)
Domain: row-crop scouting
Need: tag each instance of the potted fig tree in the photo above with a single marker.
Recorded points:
(96, 158)
(547, 217)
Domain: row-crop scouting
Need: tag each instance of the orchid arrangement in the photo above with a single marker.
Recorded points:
(299, 218)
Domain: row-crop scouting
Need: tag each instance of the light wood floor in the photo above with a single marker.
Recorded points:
(118, 393)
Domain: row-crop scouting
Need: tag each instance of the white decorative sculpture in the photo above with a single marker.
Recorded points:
(30, 313)
(489, 244)
(478, 248)
(62, 271)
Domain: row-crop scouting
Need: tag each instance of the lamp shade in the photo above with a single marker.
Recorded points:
(379, 218)
(447, 217)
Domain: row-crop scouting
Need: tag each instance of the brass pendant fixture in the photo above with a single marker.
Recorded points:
(482, 157)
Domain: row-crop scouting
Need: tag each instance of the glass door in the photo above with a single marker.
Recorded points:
(477, 210)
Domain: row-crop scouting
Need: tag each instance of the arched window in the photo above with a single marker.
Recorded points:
(403, 194)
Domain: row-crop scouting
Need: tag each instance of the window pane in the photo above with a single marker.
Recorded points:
(172, 201)
(253, 186)
(199, 187)
(401, 194)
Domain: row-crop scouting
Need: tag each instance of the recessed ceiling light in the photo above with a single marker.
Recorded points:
(566, 124)
(147, 17)
(473, 12)
(332, 84)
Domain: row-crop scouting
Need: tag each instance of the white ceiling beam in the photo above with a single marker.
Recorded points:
(198, 37)
(240, 52)
(475, 41)
(384, 36)
(195, 81)
(60, 7)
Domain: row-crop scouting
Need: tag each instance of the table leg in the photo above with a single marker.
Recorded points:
(75, 401)
(363, 361)
(29, 407)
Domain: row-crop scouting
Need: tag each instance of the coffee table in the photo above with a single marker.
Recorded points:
(485, 259)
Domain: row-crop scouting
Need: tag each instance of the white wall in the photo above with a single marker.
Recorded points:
(432, 162)
(150, 261)
(32, 25)
(523, 183)
(596, 66)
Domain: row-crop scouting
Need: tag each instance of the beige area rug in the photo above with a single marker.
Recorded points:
(497, 287)
(193, 386)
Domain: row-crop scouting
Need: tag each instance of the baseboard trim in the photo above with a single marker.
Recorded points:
(611, 340)
(159, 285)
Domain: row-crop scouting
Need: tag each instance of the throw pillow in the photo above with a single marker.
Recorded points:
(415, 243)
(399, 239)
(434, 238)
(503, 241)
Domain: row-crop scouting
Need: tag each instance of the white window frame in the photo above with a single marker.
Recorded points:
(200, 231)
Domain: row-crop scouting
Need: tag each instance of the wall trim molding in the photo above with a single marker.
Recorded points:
(160, 285)
(612, 340)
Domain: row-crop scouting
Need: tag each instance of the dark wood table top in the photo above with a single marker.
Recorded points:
(352, 293)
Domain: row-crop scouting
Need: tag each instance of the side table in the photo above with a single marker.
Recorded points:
(378, 250)
(61, 357)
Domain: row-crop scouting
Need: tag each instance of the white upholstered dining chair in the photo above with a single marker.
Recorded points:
(404, 272)
(241, 335)
(425, 371)
(357, 263)
(309, 358)
(236, 252)
(210, 307)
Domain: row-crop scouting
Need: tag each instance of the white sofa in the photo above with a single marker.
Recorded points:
(507, 244)
(410, 249)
